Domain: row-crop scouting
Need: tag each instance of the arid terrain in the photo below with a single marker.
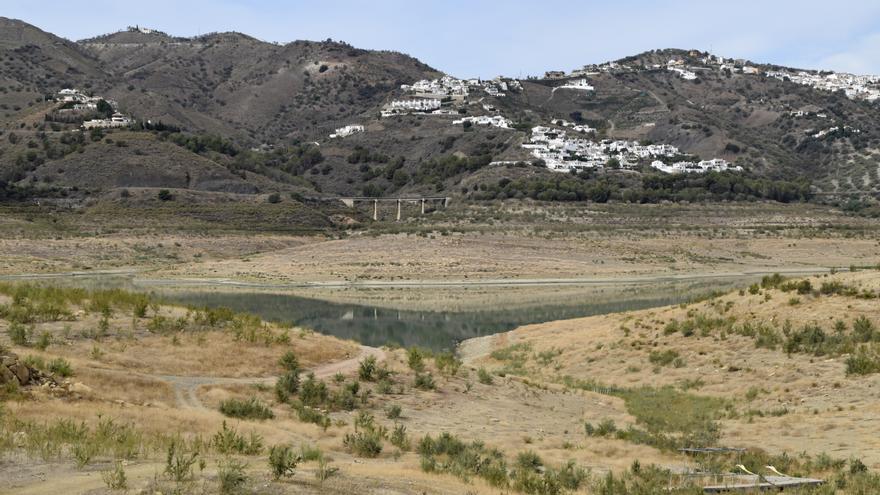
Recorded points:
(135, 387)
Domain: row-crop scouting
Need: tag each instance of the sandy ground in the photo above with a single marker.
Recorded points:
(469, 257)
(827, 411)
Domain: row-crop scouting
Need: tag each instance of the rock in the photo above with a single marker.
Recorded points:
(6, 376)
(8, 360)
(22, 372)
(79, 388)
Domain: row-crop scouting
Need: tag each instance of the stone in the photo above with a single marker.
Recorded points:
(80, 388)
(22, 372)
(6, 376)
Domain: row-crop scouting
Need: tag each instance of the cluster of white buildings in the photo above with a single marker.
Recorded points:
(581, 84)
(713, 165)
(494, 120)
(831, 130)
(564, 153)
(347, 131)
(80, 100)
(451, 87)
(117, 120)
(582, 128)
(855, 87)
(419, 105)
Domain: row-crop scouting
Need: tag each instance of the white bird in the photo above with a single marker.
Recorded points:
(743, 468)
(775, 471)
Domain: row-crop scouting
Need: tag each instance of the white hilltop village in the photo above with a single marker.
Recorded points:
(571, 147)
(564, 153)
(74, 100)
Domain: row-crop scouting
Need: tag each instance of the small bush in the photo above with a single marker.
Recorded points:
(393, 411)
(282, 461)
(252, 408)
(231, 474)
(399, 438)
(367, 369)
(664, 358)
(60, 367)
(165, 195)
(286, 385)
(863, 362)
(228, 441)
(448, 363)
(424, 381)
(311, 415)
(415, 359)
(115, 478)
(178, 462)
(484, 377)
(363, 443)
(18, 334)
(289, 362)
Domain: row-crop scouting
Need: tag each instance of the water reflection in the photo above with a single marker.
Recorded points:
(373, 325)
(369, 321)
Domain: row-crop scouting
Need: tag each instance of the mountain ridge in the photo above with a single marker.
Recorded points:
(263, 95)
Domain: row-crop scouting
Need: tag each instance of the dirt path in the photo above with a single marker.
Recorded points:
(186, 387)
(69, 480)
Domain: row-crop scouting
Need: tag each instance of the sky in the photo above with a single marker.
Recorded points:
(486, 38)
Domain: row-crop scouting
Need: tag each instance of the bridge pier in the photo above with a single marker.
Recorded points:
(422, 201)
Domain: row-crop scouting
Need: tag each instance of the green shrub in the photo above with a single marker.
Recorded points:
(399, 438)
(324, 470)
(309, 453)
(179, 462)
(311, 415)
(313, 392)
(447, 363)
(282, 461)
(864, 361)
(230, 473)
(605, 428)
(393, 411)
(367, 443)
(484, 376)
(289, 362)
(115, 478)
(43, 341)
(228, 441)
(251, 408)
(18, 334)
(60, 367)
(415, 359)
(286, 385)
(424, 381)
(367, 369)
(664, 358)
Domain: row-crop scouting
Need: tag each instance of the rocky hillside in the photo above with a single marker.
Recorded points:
(276, 99)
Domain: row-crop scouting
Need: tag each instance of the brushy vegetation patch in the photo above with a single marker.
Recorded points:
(448, 454)
(515, 357)
(78, 441)
(859, 339)
(368, 436)
(667, 418)
(251, 408)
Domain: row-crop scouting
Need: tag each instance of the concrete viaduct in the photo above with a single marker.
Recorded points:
(423, 201)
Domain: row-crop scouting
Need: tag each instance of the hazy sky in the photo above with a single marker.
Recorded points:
(512, 37)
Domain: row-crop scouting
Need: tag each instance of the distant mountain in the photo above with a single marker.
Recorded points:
(278, 98)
